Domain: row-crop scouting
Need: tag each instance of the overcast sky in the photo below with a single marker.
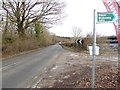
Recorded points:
(80, 14)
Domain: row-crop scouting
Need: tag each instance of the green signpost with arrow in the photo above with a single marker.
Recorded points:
(103, 17)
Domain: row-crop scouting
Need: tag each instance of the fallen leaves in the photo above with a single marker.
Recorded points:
(73, 71)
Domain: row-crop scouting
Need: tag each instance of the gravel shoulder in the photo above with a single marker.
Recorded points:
(73, 70)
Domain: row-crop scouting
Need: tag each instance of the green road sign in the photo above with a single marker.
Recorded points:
(105, 17)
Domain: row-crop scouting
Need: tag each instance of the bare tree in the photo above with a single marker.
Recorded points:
(76, 31)
(25, 12)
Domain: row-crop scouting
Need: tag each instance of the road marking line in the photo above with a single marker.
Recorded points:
(35, 85)
(6, 67)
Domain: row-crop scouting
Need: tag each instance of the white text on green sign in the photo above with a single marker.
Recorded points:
(105, 17)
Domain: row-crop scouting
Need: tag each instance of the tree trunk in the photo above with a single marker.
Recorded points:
(6, 24)
(21, 31)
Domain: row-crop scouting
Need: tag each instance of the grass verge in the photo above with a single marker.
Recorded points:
(67, 48)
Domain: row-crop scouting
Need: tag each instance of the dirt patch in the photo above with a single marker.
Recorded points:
(73, 70)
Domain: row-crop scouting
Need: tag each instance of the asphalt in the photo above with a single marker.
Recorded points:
(18, 71)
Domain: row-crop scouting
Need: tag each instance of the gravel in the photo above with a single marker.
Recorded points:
(73, 70)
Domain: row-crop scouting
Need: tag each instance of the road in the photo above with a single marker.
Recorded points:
(19, 71)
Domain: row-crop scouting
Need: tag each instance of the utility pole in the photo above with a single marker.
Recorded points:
(94, 49)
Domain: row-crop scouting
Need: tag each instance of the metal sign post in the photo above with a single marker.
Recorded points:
(94, 49)
(105, 17)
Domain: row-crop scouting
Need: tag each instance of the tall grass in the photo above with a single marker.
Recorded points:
(12, 44)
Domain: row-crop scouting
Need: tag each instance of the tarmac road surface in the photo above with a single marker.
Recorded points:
(21, 69)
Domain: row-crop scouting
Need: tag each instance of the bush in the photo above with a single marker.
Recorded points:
(12, 44)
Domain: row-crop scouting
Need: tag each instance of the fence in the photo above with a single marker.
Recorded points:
(109, 50)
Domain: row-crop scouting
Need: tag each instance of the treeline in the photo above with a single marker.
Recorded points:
(87, 41)
(25, 24)
(12, 44)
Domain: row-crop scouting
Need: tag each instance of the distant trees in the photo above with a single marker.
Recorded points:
(24, 13)
(76, 31)
(89, 35)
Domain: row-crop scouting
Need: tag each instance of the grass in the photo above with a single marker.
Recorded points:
(12, 45)
(67, 48)
(19, 53)
(74, 49)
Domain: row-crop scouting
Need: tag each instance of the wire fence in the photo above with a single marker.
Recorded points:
(109, 52)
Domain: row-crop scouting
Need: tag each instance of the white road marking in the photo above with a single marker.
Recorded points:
(8, 66)
(35, 85)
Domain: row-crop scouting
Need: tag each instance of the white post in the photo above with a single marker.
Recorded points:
(94, 49)
(76, 44)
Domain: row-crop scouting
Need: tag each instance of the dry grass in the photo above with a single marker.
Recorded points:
(86, 41)
(12, 44)
(89, 41)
